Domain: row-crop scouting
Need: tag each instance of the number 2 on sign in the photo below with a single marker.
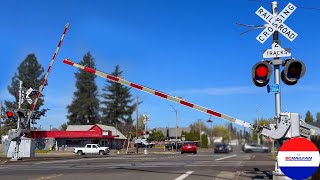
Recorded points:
(276, 44)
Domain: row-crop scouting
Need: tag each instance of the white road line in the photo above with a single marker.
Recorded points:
(226, 157)
(184, 175)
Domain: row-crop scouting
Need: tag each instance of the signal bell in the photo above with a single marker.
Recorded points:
(261, 73)
(293, 71)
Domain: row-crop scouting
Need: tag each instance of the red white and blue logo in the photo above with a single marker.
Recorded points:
(298, 158)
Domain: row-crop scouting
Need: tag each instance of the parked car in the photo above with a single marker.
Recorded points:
(189, 147)
(255, 148)
(143, 143)
(172, 145)
(222, 148)
(91, 149)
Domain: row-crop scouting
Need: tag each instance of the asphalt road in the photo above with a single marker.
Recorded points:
(168, 166)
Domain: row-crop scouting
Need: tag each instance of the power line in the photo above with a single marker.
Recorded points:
(303, 7)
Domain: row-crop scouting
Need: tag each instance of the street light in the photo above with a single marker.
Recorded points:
(176, 126)
(210, 121)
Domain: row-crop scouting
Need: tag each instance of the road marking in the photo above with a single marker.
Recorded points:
(223, 175)
(184, 175)
(226, 157)
(46, 177)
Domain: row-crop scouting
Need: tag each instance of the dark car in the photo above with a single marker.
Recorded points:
(222, 148)
(189, 147)
(171, 146)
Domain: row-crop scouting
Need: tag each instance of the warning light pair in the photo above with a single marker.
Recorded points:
(292, 72)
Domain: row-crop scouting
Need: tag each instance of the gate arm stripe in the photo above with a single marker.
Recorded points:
(47, 74)
(160, 94)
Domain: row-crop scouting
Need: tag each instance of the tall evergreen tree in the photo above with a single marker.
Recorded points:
(84, 108)
(117, 101)
(318, 117)
(30, 73)
(309, 117)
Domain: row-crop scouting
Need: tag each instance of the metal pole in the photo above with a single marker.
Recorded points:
(137, 122)
(277, 174)
(258, 136)
(16, 154)
(145, 131)
(276, 65)
(200, 131)
(176, 130)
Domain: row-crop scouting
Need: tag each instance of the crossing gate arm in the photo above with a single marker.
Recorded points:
(161, 94)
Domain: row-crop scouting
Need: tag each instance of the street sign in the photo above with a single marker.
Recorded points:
(27, 95)
(276, 23)
(183, 138)
(273, 53)
(273, 88)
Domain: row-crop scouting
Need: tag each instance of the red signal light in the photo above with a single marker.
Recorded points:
(261, 70)
(261, 73)
(9, 114)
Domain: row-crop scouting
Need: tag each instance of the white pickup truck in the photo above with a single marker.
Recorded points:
(91, 149)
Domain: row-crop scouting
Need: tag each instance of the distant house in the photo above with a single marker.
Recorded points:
(78, 136)
(170, 133)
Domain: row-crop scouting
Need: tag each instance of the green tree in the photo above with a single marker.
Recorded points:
(63, 126)
(192, 136)
(261, 122)
(318, 117)
(204, 139)
(309, 117)
(30, 73)
(156, 136)
(117, 102)
(220, 131)
(84, 108)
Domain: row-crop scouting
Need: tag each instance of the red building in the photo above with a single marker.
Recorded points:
(78, 136)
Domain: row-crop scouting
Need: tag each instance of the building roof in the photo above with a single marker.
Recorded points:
(171, 132)
(113, 130)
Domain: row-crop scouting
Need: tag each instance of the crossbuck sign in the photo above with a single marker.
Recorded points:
(276, 23)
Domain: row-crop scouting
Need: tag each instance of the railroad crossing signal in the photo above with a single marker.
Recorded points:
(293, 71)
(26, 96)
(261, 73)
(276, 23)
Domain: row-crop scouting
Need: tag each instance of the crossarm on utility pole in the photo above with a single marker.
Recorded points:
(161, 94)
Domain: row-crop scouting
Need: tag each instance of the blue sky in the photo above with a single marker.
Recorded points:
(190, 49)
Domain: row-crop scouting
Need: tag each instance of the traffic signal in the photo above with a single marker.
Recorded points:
(293, 71)
(261, 73)
(10, 115)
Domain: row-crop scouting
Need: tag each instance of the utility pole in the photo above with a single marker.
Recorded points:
(176, 127)
(258, 136)
(210, 121)
(199, 121)
(137, 122)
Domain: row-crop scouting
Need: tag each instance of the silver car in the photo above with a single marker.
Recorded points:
(255, 148)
